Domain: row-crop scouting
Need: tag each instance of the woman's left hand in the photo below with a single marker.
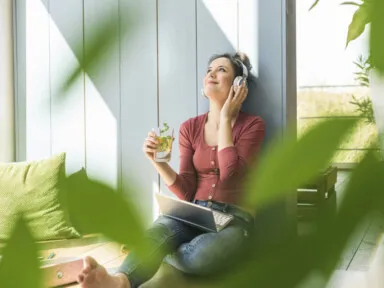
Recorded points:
(233, 103)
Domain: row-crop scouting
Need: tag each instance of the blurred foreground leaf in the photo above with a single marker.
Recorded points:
(360, 19)
(286, 166)
(376, 37)
(100, 38)
(96, 208)
(296, 259)
(19, 266)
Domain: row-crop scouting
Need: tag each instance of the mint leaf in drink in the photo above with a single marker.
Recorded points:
(165, 129)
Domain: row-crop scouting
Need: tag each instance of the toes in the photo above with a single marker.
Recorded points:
(80, 278)
(86, 270)
(90, 263)
(91, 280)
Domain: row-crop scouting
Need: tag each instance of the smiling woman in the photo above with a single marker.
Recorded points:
(216, 149)
(225, 67)
(7, 131)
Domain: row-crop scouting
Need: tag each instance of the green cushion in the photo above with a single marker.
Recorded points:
(33, 189)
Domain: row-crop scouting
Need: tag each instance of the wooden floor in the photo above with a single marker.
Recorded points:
(360, 249)
(356, 261)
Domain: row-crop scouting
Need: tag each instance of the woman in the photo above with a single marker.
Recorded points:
(215, 150)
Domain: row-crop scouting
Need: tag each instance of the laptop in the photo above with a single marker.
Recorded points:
(192, 214)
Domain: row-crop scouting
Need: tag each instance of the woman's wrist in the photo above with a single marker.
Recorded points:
(224, 120)
(165, 171)
(158, 164)
(224, 117)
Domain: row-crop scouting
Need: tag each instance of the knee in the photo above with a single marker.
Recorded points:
(193, 261)
(198, 266)
(162, 229)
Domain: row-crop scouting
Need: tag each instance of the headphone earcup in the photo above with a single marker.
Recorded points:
(237, 81)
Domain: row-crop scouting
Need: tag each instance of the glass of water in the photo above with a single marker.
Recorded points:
(164, 137)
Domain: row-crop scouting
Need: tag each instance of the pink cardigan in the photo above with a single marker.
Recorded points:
(208, 174)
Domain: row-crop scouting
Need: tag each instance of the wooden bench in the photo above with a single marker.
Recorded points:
(107, 253)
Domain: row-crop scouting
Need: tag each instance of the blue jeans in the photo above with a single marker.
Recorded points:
(190, 249)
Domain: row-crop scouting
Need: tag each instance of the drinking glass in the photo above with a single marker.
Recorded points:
(164, 137)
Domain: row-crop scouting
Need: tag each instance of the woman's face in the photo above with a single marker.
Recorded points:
(218, 79)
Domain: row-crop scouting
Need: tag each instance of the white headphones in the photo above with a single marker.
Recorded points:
(240, 79)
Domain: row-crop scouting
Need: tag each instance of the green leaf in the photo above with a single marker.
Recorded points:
(376, 35)
(358, 65)
(284, 167)
(360, 18)
(97, 208)
(19, 266)
(314, 5)
(350, 3)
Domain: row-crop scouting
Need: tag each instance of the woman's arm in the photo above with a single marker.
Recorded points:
(184, 184)
(166, 172)
(234, 158)
(225, 134)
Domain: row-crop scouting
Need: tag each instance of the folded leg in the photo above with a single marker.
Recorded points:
(165, 236)
(209, 253)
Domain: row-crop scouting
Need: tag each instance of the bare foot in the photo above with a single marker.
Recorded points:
(96, 276)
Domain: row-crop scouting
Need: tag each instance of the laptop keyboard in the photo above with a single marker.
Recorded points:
(221, 219)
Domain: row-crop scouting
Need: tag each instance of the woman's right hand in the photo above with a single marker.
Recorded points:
(149, 146)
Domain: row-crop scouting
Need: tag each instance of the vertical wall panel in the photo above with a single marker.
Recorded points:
(20, 77)
(269, 96)
(248, 35)
(102, 96)
(217, 24)
(177, 66)
(7, 117)
(66, 52)
(138, 97)
(37, 90)
(273, 99)
(289, 97)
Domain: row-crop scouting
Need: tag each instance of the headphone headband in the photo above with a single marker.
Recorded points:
(244, 68)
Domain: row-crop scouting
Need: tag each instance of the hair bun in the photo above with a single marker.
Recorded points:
(244, 58)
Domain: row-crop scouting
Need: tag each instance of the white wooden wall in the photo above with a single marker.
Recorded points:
(149, 77)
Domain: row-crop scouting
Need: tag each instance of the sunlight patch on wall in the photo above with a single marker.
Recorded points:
(221, 13)
(101, 137)
(67, 114)
(249, 32)
(38, 122)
